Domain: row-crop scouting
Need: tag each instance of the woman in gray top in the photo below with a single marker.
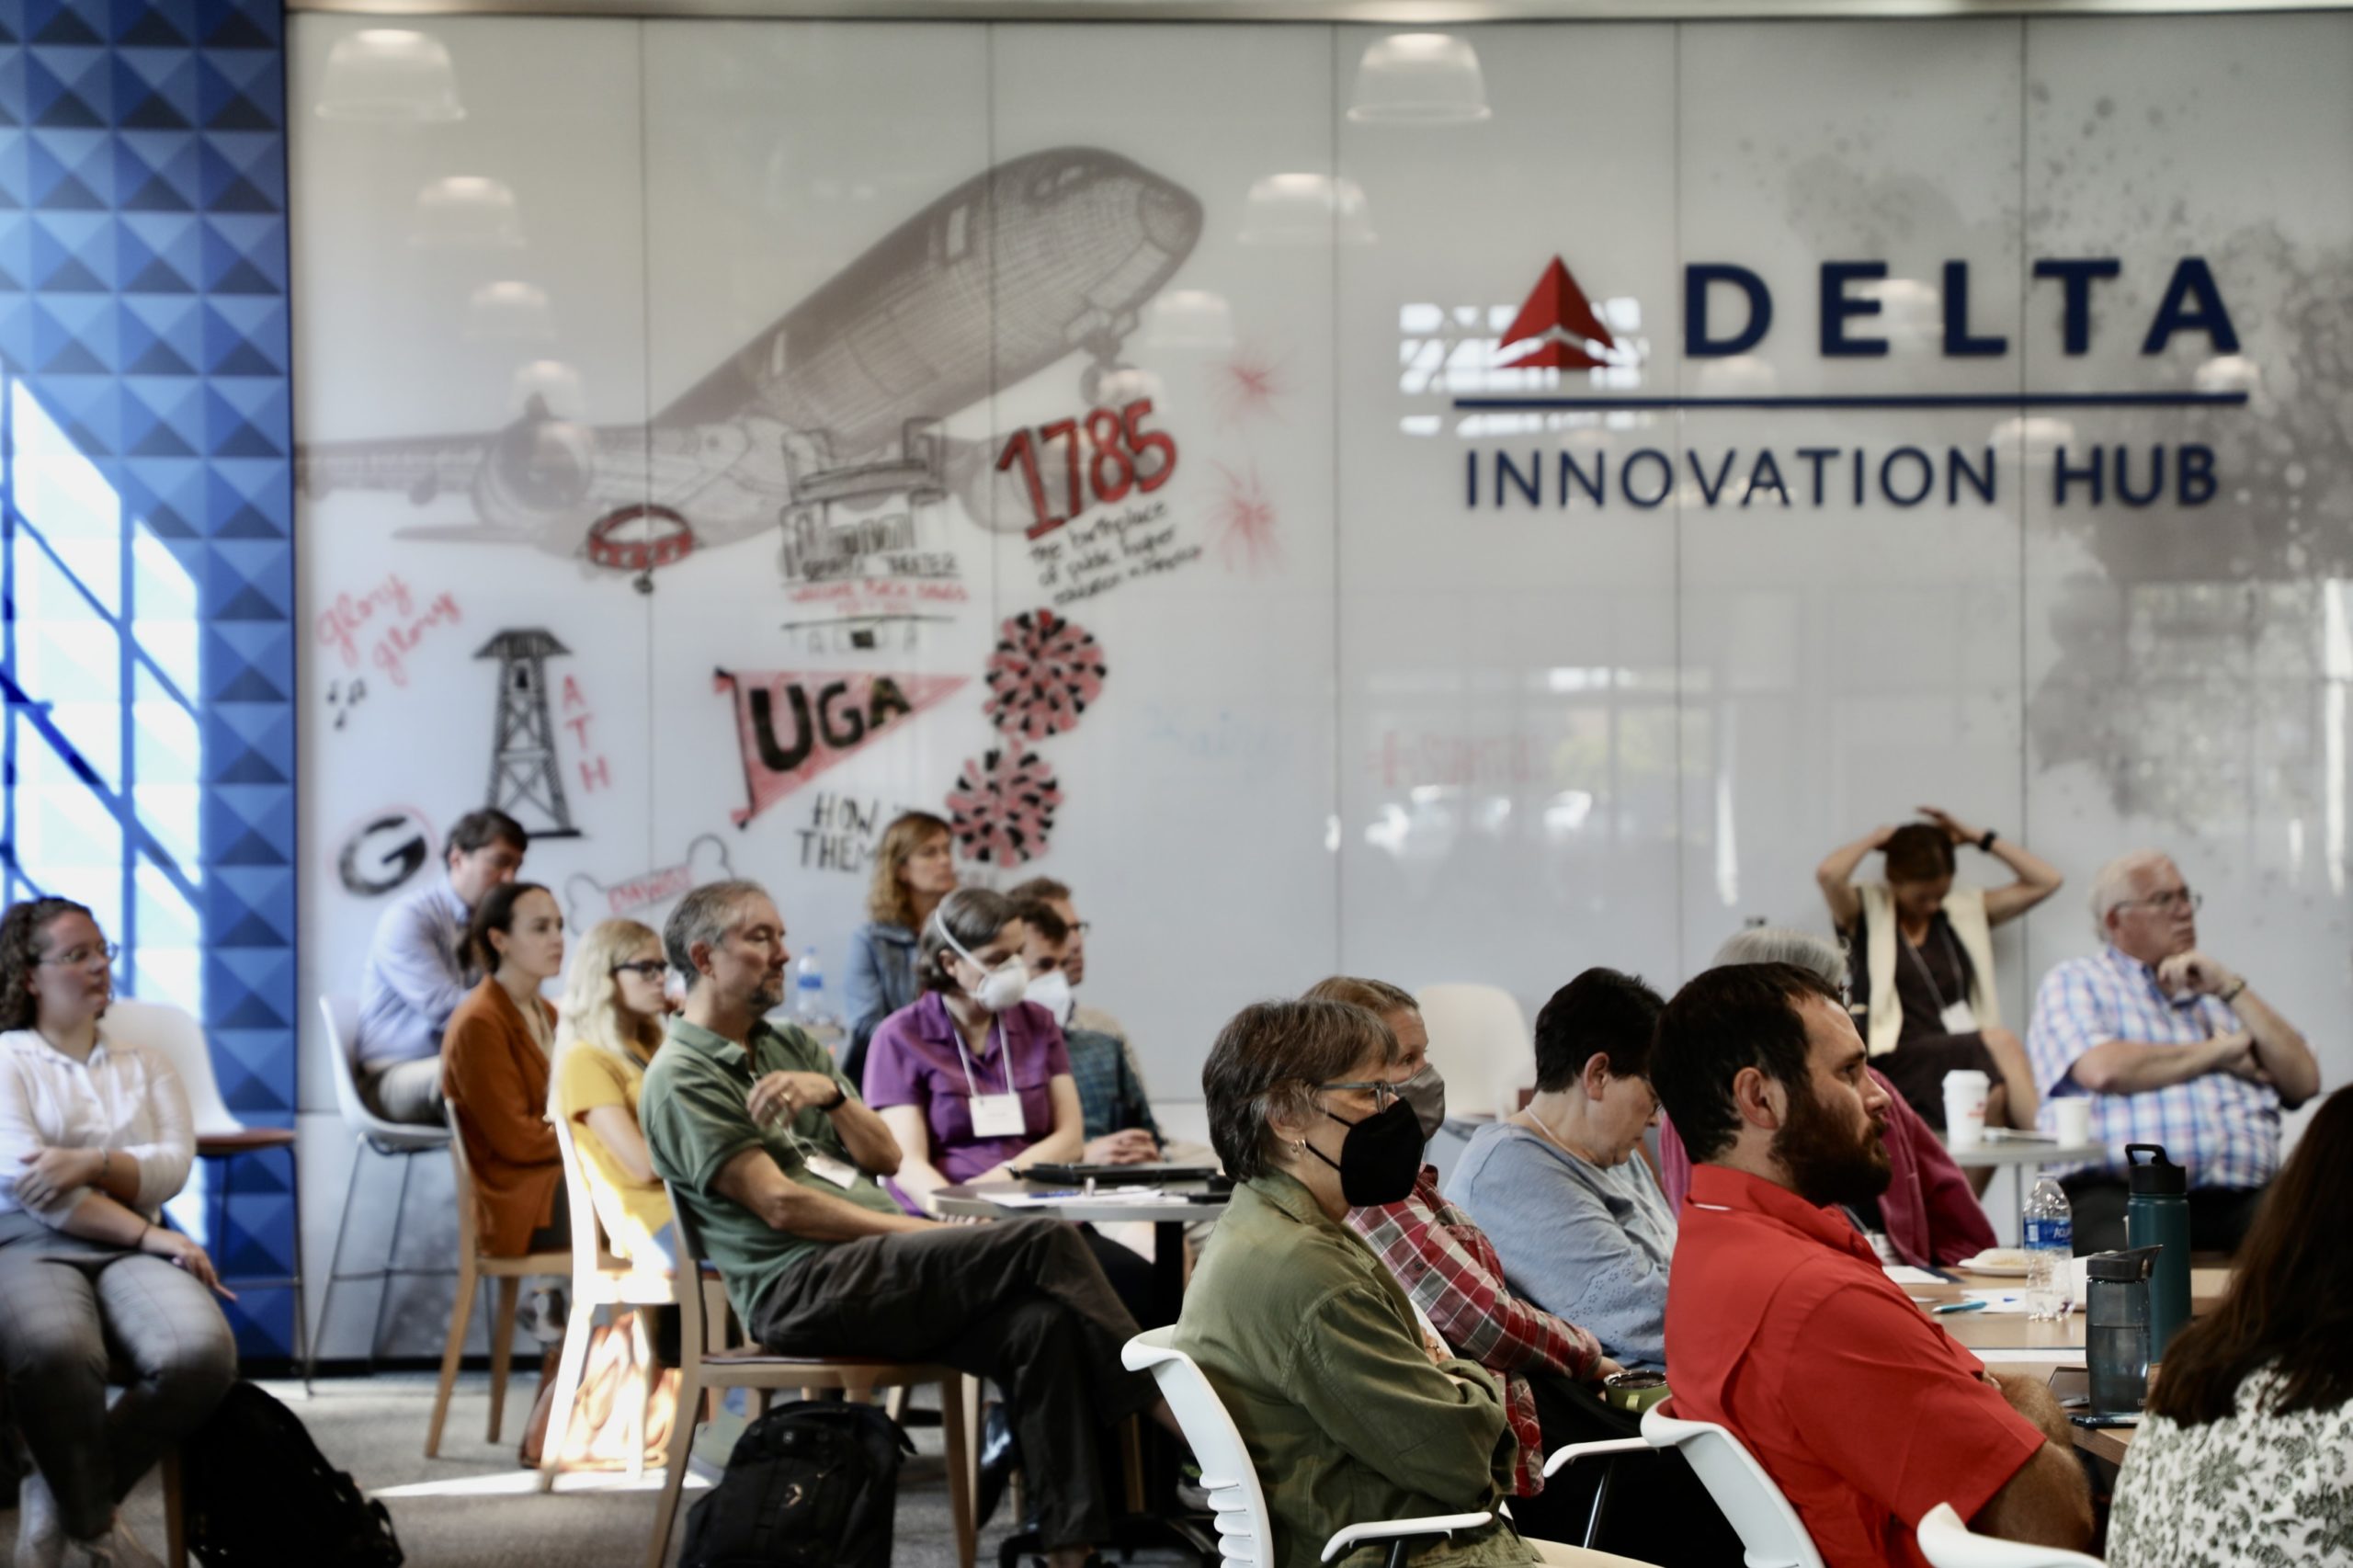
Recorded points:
(1579, 1222)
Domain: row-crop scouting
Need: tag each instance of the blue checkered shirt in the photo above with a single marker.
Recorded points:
(2224, 1128)
(1108, 1095)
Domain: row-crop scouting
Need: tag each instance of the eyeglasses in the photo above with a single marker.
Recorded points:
(85, 958)
(645, 969)
(1081, 927)
(2170, 901)
(1383, 1093)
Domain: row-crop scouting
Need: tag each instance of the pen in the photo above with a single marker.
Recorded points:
(1943, 1307)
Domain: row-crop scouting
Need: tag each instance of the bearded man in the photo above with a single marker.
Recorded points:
(1782, 1327)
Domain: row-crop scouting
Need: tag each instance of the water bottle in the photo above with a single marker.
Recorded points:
(808, 988)
(2156, 1214)
(2050, 1251)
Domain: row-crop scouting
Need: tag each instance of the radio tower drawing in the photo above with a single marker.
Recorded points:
(524, 779)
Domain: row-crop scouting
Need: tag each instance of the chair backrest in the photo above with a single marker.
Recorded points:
(1769, 1527)
(341, 1011)
(1479, 1040)
(1245, 1530)
(686, 1245)
(591, 1253)
(462, 1174)
(178, 1038)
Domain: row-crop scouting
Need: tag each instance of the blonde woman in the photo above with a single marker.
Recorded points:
(613, 1012)
(914, 867)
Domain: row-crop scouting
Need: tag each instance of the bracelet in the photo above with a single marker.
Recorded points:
(841, 1099)
(2227, 998)
(141, 1245)
(1985, 845)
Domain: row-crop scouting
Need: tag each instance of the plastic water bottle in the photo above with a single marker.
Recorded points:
(2050, 1251)
(808, 987)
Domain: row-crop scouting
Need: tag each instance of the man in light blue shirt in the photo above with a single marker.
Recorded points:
(1560, 1188)
(417, 972)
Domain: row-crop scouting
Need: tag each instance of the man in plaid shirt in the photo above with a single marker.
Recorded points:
(2173, 1048)
(1448, 1265)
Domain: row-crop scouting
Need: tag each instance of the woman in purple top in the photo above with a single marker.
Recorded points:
(976, 1083)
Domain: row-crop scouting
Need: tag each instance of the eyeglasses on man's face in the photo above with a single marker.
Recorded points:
(2173, 901)
(84, 958)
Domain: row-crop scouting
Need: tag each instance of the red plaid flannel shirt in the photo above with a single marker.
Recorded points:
(1450, 1269)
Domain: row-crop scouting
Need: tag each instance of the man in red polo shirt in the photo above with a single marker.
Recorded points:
(1780, 1324)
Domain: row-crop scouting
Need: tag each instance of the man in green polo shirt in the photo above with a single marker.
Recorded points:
(776, 1160)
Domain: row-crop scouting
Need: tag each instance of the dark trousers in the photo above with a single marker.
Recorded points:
(1021, 1301)
(2219, 1216)
(1657, 1511)
(1132, 1280)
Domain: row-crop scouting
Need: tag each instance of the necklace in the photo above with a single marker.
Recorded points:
(1536, 1123)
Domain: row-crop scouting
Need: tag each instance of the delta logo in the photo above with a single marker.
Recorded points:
(1557, 328)
(1559, 321)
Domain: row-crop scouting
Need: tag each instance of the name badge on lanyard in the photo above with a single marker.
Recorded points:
(1959, 1019)
(828, 1167)
(998, 1115)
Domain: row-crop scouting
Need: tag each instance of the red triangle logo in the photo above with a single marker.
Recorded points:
(1557, 314)
(793, 726)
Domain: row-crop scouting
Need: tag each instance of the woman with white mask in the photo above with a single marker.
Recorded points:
(975, 1081)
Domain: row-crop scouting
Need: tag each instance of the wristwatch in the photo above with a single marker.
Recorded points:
(2227, 998)
(1985, 845)
(841, 1096)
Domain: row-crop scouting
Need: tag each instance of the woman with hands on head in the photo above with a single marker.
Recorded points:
(95, 1135)
(1922, 951)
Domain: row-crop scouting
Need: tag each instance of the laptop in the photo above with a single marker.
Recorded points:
(1118, 1175)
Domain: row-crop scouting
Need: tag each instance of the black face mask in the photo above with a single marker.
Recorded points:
(1379, 1158)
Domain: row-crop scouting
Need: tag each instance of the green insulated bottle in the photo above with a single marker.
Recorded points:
(2156, 1214)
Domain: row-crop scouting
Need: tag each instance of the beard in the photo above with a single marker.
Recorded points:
(1828, 1160)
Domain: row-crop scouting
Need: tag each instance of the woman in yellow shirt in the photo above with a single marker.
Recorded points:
(613, 1013)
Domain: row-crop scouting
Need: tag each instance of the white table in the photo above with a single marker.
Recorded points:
(2021, 1153)
(1167, 1217)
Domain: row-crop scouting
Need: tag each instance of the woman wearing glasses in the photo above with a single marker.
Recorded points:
(613, 1013)
(1922, 952)
(1352, 1415)
(95, 1134)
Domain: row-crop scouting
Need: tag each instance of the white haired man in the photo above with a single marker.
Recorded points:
(2174, 1048)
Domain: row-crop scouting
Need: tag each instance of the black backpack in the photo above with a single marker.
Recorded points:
(259, 1492)
(810, 1484)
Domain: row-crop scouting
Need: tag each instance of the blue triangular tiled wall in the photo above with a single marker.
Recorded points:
(143, 297)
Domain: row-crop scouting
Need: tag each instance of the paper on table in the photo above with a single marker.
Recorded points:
(1905, 1274)
(1072, 1194)
(2008, 1302)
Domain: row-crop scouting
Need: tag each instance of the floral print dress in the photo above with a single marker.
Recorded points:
(2252, 1490)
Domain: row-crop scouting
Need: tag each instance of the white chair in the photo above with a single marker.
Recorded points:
(763, 1371)
(1480, 1042)
(392, 1139)
(599, 1278)
(1769, 1529)
(1946, 1542)
(177, 1037)
(1244, 1529)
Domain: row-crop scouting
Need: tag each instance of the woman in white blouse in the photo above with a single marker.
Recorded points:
(2244, 1457)
(93, 1136)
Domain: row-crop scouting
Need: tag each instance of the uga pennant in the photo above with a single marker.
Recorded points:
(794, 726)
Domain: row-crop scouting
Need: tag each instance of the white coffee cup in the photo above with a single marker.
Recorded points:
(2071, 1121)
(1965, 1091)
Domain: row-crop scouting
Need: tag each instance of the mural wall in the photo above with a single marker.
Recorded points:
(1342, 501)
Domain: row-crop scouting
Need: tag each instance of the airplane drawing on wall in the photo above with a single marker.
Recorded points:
(1040, 258)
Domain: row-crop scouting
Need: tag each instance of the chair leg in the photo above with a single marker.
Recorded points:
(673, 1471)
(175, 1512)
(302, 1318)
(960, 1472)
(578, 1329)
(895, 1402)
(502, 1348)
(391, 1261)
(334, 1263)
(461, 1314)
(648, 1376)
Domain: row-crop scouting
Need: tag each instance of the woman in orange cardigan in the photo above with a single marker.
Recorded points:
(495, 1070)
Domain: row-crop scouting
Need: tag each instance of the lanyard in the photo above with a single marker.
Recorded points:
(1004, 1054)
(1928, 974)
